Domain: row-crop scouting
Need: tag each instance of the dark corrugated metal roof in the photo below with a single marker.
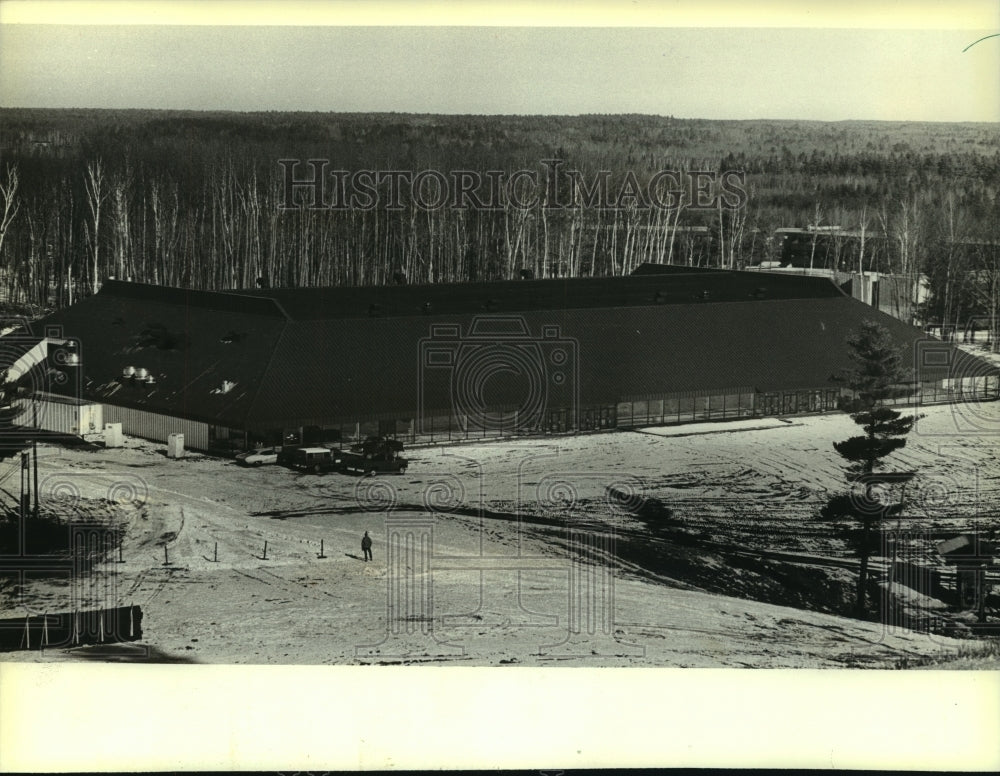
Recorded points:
(317, 355)
(190, 349)
(673, 269)
(669, 286)
(352, 368)
(234, 301)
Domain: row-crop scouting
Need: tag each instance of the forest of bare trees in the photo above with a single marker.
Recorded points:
(197, 200)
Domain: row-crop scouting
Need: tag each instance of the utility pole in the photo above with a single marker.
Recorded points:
(34, 454)
(24, 471)
(981, 580)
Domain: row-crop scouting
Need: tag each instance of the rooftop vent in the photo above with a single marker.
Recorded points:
(67, 355)
(231, 337)
(227, 386)
(128, 371)
(141, 373)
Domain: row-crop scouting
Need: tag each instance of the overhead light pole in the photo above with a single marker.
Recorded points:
(34, 451)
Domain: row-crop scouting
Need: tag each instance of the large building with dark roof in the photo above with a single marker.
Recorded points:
(443, 362)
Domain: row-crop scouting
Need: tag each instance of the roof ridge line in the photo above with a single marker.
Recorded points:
(180, 294)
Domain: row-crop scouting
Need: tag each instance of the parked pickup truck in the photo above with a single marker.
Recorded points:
(375, 454)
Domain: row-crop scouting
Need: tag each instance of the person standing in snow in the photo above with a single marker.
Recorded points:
(366, 546)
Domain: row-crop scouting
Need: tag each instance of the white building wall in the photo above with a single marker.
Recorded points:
(61, 416)
(91, 418)
(152, 425)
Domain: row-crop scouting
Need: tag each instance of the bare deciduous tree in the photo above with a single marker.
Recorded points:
(96, 194)
(8, 192)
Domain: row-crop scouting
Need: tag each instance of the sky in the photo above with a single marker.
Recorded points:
(718, 72)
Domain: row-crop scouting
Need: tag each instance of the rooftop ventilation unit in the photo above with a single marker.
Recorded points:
(128, 371)
(68, 355)
(141, 373)
(231, 337)
(227, 386)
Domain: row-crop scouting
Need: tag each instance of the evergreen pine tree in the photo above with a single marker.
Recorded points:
(878, 375)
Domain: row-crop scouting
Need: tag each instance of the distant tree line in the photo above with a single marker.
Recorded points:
(195, 200)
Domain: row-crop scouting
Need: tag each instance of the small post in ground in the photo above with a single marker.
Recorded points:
(264, 556)
(321, 549)
(981, 580)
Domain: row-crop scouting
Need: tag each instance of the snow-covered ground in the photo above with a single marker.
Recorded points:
(689, 546)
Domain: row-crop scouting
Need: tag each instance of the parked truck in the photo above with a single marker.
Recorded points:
(375, 454)
(314, 459)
